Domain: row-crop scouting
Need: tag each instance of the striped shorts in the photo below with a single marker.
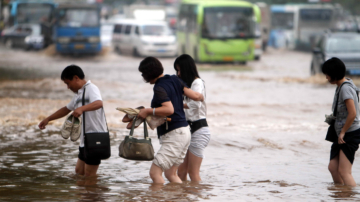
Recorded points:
(199, 140)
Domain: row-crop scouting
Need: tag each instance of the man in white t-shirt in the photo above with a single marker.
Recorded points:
(74, 78)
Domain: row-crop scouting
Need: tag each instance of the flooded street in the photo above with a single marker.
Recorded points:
(266, 121)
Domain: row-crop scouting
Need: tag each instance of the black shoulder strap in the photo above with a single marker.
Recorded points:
(337, 99)
(83, 103)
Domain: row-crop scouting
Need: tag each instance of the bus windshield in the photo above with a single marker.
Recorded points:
(282, 21)
(33, 13)
(228, 23)
(79, 18)
(315, 14)
(155, 30)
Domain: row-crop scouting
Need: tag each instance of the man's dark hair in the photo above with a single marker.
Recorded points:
(188, 71)
(72, 70)
(151, 68)
(334, 68)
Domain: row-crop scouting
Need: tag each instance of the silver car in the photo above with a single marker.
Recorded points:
(27, 36)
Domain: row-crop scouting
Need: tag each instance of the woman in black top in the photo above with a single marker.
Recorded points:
(167, 101)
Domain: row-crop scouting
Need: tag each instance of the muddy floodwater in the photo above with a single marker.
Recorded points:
(266, 120)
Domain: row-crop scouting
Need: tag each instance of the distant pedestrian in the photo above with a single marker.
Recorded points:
(74, 78)
(195, 112)
(174, 135)
(347, 122)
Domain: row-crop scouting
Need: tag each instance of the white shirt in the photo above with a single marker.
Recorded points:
(95, 120)
(197, 109)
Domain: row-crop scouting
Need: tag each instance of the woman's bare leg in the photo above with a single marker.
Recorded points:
(345, 170)
(156, 174)
(171, 174)
(183, 168)
(194, 164)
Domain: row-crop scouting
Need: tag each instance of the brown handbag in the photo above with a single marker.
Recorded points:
(137, 149)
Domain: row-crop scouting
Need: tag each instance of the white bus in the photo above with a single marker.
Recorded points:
(298, 26)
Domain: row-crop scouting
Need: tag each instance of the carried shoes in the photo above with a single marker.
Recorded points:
(66, 129)
(71, 128)
(137, 123)
(76, 130)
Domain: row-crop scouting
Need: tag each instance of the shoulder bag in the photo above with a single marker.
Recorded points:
(137, 149)
(97, 144)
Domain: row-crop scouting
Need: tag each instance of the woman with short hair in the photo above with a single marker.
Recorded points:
(195, 112)
(167, 101)
(347, 122)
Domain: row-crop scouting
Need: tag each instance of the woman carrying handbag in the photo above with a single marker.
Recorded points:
(167, 101)
(346, 125)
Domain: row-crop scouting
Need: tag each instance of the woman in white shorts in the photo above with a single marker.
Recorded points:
(174, 135)
(195, 112)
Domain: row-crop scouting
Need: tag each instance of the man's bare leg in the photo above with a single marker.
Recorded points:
(90, 170)
(80, 167)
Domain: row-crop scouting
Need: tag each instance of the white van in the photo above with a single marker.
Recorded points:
(144, 38)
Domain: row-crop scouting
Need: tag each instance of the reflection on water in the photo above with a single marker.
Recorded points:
(38, 166)
(342, 192)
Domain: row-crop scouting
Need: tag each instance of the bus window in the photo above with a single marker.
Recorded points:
(192, 19)
(182, 21)
(34, 12)
(128, 29)
(315, 14)
(137, 30)
(10, 18)
(228, 22)
(282, 21)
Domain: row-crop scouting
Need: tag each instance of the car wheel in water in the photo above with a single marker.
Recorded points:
(117, 49)
(27, 48)
(8, 43)
(136, 53)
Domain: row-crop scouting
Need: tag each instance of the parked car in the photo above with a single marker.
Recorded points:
(343, 45)
(27, 36)
(144, 38)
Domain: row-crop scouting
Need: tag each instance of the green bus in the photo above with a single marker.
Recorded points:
(218, 30)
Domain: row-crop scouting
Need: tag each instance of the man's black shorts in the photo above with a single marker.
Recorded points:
(81, 156)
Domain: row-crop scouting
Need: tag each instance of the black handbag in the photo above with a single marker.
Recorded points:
(97, 144)
(137, 149)
(331, 134)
